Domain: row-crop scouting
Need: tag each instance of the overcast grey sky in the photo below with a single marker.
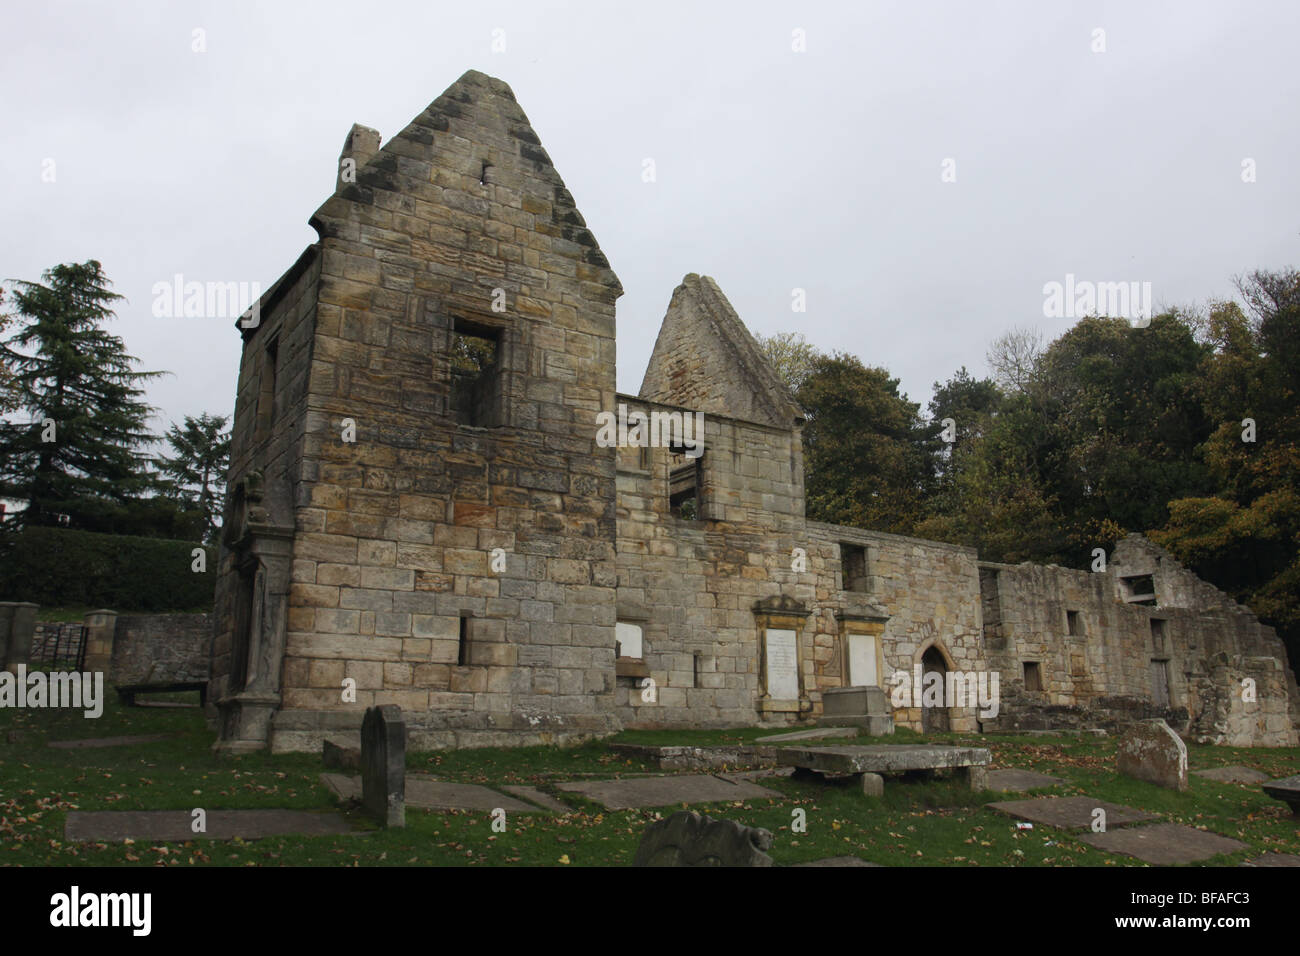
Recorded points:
(775, 169)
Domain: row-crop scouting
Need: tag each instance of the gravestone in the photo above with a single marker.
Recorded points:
(1287, 789)
(383, 764)
(692, 839)
(865, 707)
(782, 665)
(1150, 751)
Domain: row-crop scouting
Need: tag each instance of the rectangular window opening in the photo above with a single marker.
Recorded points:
(1033, 676)
(476, 398)
(684, 485)
(1073, 626)
(1138, 589)
(853, 561)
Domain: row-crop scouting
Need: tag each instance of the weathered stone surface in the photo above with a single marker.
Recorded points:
(838, 861)
(1163, 844)
(1014, 781)
(691, 839)
(882, 758)
(539, 798)
(697, 758)
(341, 753)
(383, 765)
(128, 740)
(1069, 812)
(425, 793)
(1232, 774)
(1274, 859)
(863, 707)
(873, 784)
(1150, 751)
(176, 826)
(815, 733)
(1287, 790)
(664, 791)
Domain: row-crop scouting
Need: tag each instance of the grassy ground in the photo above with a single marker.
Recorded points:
(935, 822)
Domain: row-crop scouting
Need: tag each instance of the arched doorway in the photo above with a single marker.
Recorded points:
(934, 720)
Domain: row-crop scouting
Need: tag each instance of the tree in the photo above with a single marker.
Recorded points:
(791, 355)
(80, 453)
(196, 472)
(1013, 358)
(869, 457)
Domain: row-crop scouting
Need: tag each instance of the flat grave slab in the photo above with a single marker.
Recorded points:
(1287, 790)
(882, 758)
(837, 861)
(425, 793)
(1016, 781)
(1069, 812)
(1274, 859)
(540, 798)
(665, 791)
(129, 740)
(814, 733)
(1163, 844)
(175, 826)
(1233, 774)
(685, 757)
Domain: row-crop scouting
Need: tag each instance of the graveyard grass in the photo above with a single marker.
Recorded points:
(932, 822)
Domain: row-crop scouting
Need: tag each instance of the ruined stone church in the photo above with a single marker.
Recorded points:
(421, 513)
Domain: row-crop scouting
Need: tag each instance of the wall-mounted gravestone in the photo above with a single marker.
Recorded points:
(782, 664)
(1150, 751)
(692, 839)
(383, 764)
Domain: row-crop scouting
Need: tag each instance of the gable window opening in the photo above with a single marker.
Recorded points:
(1138, 589)
(684, 485)
(475, 375)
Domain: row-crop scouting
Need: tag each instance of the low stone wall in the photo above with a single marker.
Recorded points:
(161, 649)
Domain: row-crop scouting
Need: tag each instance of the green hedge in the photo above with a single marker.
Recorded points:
(58, 567)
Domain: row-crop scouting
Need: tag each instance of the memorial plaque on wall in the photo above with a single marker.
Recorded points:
(782, 665)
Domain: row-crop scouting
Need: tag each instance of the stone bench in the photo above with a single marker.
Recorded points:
(870, 765)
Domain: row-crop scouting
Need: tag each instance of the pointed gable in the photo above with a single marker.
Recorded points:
(705, 359)
(471, 149)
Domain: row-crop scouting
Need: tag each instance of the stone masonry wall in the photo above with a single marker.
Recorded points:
(461, 218)
(266, 434)
(1103, 675)
(160, 649)
(692, 584)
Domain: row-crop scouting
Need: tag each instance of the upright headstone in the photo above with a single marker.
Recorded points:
(1150, 751)
(22, 628)
(383, 764)
(692, 839)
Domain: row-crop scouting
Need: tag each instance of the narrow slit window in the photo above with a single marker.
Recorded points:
(462, 651)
